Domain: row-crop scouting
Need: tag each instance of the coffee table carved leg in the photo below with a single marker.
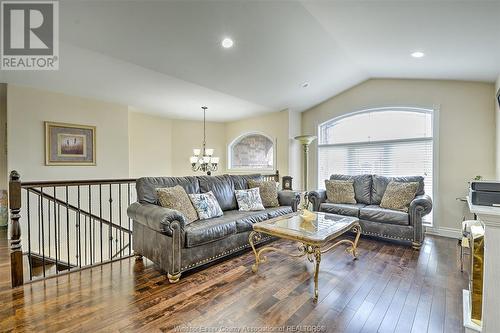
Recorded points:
(317, 257)
(252, 238)
(354, 248)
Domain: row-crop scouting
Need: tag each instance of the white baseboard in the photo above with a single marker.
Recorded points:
(444, 232)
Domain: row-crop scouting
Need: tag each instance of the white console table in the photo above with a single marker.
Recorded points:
(490, 216)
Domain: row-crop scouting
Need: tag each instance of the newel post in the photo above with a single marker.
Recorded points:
(16, 253)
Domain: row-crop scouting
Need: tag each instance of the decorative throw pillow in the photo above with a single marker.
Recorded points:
(268, 192)
(206, 205)
(398, 195)
(177, 198)
(249, 199)
(340, 191)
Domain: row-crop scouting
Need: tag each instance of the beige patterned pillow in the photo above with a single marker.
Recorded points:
(268, 192)
(340, 191)
(177, 198)
(398, 195)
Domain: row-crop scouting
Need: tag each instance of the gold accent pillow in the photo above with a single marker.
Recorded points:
(340, 191)
(268, 192)
(177, 198)
(398, 195)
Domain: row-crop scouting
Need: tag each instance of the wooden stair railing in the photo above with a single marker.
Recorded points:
(73, 226)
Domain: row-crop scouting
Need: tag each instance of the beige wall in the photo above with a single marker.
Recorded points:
(497, 116)
(150, 145)
(3, 137)
(274, 125)
(187, 135)
(466, 130)
(28, 108)
(295, 149)
(3, 150)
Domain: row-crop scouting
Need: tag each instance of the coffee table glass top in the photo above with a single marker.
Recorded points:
(321, 227)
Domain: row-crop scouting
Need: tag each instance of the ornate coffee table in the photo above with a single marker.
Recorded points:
(314, 235)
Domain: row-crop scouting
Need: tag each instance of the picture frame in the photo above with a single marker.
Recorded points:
(69, 144)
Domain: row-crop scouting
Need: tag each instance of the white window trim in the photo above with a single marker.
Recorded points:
(247, 170)
(434, 111)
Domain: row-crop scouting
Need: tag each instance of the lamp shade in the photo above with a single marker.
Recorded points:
(196, 152)
(193, 159)
(209, 151)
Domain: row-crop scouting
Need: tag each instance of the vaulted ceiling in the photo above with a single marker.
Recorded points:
(165, 57)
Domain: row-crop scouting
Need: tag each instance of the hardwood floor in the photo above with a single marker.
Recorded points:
(391, 288)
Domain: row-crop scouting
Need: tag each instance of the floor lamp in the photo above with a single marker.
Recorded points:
(305, 140)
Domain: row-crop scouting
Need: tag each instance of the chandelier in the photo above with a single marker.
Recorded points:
(203, 159)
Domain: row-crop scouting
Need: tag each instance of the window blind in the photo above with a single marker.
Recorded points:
(407, 157)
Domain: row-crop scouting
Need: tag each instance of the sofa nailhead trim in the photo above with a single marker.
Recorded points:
(385, 236)
(220, 255)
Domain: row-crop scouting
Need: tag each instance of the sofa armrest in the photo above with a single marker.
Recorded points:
(422, 204)
(160, 219)
(289, 198)
(316, 198)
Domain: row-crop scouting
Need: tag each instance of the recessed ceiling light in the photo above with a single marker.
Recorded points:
(418, 54)
(305, 85)
(227, 43)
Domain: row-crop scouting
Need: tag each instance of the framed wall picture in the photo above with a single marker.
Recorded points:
(69, 144)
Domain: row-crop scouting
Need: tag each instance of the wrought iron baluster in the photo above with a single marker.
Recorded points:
(59, 231)
(56, 240)
(48, 224)
(39, 224)
(120, 217)
(42, 232)
(129, 228)
(91, 245)
(100, 216)
(110, 230)
(78, 229)
(67, 227)
(30, 260)
(85, 241)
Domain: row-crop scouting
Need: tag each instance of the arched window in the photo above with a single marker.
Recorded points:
(251, 151)
(385, 141)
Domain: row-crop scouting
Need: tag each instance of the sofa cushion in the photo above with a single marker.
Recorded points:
(146, 186)
(210, 230)
(249, 200)
(223, 189)
(398, 196)
(176, 198)
(380, 184)
(376, 214)
(206, 205)
(340, 191)
(341, 209)
(362, 186)
(246, 220)
(268, 192)
(241, 181)
(278, 211)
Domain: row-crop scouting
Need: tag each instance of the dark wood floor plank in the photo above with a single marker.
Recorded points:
(422, 314)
